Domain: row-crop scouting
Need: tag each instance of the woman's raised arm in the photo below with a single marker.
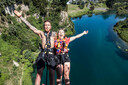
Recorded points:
(78, 36)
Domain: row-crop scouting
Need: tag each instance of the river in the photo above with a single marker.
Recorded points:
(98, 58)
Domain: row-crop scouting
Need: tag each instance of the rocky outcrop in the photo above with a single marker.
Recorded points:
(94, 1)
(15, 63)
(9, 10)
(23, 7)
(64, 18)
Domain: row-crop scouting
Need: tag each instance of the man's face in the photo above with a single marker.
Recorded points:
(61, 34)
(47, 26)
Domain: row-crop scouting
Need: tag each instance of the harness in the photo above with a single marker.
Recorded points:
(48, 41)
(46, 51)
(62, 45)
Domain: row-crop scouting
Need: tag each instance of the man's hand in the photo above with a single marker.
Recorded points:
(85, 32)
(17, 13)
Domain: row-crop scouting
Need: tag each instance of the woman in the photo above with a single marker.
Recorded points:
(63, 61)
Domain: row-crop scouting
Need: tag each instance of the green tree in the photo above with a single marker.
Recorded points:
(41, 5)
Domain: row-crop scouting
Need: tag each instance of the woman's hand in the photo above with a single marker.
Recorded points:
(18, 13)
(85, 32)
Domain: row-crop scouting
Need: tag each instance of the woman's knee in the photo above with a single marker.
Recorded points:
(66, 70)
(67, 66)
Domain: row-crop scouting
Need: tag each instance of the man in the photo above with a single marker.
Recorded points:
(47, 54)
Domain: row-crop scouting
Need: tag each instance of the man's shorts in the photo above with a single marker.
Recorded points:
(43, 59)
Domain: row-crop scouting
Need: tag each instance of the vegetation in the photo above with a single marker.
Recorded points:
(81, 7)
(20, 44)
(121, 6)
(122, 29)
(75, 11)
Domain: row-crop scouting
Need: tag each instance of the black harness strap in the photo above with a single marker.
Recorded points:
(62, 60)
(48, 43)
(58, 82)
(47, 46)
(67, 81)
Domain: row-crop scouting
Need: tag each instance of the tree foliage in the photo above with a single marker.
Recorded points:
(19, 43)
(122, 29)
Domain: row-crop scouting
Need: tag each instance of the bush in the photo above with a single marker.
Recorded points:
(19, 8)
(81, 6)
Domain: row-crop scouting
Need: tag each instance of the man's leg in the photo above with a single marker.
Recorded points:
(66, 73)
(59, 72)
(38, 76)
(51, 75)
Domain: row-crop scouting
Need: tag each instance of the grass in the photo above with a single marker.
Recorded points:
(75, 11)
(124, 35)
(99, 11)
(101, 5)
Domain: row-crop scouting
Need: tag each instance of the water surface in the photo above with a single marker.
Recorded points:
(96, 58)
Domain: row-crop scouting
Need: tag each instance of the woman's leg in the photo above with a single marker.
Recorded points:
(59, 72)
(66, 73)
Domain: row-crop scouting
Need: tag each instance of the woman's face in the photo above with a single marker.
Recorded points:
(61, 34)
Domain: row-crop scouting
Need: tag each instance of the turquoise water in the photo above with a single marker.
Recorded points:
(96, 58)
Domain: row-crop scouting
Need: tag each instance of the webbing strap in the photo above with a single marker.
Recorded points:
(48, 43)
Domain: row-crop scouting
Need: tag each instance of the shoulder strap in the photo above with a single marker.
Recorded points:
(48, 43)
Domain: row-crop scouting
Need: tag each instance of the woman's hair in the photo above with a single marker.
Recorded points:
(60, 29)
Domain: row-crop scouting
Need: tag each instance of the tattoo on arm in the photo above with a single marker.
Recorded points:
(30, 26)
(41, 35)
(54, 34)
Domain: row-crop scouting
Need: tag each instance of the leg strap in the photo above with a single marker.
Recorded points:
(67, 82)
(59, 82)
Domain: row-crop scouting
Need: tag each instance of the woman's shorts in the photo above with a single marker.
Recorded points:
(62, 58)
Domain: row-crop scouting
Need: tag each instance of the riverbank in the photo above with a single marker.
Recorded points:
(122, 29)
(75, 11)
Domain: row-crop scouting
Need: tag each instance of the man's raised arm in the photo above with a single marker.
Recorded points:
(27, 23)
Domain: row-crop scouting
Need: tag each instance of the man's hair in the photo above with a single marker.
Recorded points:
(47, 21)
